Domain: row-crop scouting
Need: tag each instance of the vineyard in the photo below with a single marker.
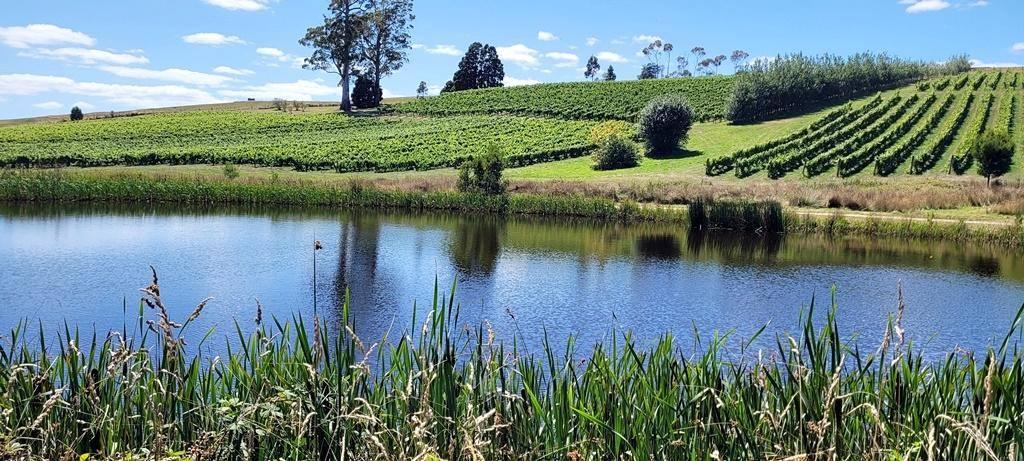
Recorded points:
(621, 100)
(304, 142)
(910, 130)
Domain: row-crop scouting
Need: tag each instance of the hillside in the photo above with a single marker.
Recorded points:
(621, 100)
(308, 141)
(915, 130)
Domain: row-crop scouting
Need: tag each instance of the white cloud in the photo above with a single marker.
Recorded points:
(129, 96)
(922, 6)
(564, 59)
(242, 5)
(1017, 47)
(520, 54)
(168, 75)
(546, 36)
(447, 50)
(212, 38)
(279, 55)
(979, 63)
(608, 56)
(86, 56)
(42, 35)
(272, 52)
(49, 105)
(591, 41)
(300, 90)
(645, 39)
(512, 81)
(232, 71)
(977, 3)
(84, 105)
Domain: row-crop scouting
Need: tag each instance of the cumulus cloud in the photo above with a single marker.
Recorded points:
(645, 39)
(923, 6)
(274, 53)
(447, 50)
(980, 63)
(299, 90)
(42, 35)
(212, 38)
(86, 56)
(129, 96)
(591, 41)
(226, 70)
(168, 75)
(608, 56)
(520, 54)
(49, 105)
(1017, 47)
(512, 81)
(239, 5)
(546, 36)
(564, 59)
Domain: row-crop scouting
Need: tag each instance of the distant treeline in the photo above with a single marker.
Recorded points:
(766, 87)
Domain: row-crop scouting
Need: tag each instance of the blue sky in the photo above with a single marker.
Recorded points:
(120, 54)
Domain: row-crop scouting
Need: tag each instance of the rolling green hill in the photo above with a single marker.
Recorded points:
(303, 141)
(914, 130)
(623, 100)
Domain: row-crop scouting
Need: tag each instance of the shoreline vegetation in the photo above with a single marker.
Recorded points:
(712, 213)
(442, 390)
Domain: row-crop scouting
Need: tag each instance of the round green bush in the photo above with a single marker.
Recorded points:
(616, 152)
(665, 123)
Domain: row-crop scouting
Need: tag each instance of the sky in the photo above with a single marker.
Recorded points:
(128, 54)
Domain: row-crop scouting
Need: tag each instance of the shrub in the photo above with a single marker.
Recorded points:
(665, 123)
(230, 171)
(76, 114)
(993, 152)
(482, 174)
(616, 152)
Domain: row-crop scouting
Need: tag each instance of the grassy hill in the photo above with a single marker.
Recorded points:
(621, 100)
(914, 130)
(309, 141)
(927, 125)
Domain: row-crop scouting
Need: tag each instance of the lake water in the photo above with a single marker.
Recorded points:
(524, 276)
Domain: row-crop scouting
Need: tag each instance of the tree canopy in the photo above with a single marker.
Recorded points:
(479, 68)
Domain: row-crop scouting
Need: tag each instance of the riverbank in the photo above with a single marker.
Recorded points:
(84, 185)
(440, 390)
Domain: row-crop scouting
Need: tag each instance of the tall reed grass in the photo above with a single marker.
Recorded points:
(443, 390)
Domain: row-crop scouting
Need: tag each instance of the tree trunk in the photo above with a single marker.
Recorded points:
(346, 101)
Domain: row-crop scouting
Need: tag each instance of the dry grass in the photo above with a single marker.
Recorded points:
(883, 196)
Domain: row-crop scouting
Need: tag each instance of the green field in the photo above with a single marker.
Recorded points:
(321, 141)
(621, 100)
(914, 130)
(920, 129)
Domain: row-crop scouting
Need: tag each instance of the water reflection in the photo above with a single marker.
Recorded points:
(563, 276)
(475, 244)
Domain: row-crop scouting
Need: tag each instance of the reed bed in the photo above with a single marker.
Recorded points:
(444, 390)
(742, 216)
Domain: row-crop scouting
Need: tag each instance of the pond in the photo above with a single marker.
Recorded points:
(525, 277)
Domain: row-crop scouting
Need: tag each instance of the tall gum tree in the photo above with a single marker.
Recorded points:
(386, 37)
(335, 43)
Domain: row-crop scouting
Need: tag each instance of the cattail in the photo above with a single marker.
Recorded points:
(259, 313)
